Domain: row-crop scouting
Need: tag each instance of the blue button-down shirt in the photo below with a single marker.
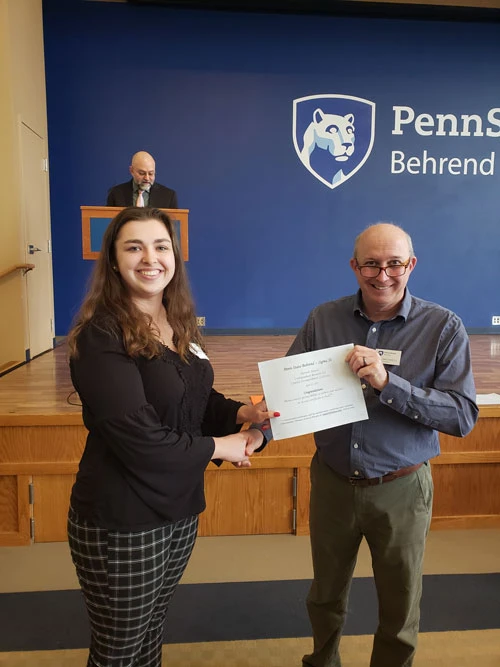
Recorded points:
(431, 390)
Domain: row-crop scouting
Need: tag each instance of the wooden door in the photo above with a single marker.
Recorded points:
(37, 241)
(248, 502)
(50, 507)
(14, 510)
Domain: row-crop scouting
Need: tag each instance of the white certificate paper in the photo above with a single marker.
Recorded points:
(312, 392)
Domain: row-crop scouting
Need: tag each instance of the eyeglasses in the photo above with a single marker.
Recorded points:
(391, 271)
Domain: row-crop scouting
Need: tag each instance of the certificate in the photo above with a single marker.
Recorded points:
(312, 392)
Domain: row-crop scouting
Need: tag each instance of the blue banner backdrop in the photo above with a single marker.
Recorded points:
(407, 111)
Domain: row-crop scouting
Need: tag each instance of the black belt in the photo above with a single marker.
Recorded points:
(373, 481)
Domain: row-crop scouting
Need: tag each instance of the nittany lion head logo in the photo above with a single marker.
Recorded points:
(333, 135)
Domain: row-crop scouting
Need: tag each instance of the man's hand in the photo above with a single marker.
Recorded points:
(366, 363)
(232, 448)
(254, 440)
(238, 447)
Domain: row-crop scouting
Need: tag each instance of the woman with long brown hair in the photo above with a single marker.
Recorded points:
(155, 422)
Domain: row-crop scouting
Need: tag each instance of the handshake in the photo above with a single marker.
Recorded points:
(238, 447)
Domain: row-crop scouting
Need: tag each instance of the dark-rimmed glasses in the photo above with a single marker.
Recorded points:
(391, 271)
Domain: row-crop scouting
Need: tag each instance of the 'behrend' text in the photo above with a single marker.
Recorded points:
(455, 166)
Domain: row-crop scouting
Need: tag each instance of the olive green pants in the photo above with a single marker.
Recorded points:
(394, 519)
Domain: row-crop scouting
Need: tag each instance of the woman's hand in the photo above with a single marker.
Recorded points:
(255, 440)
(237, 448)
(256, 414)
(232, 448)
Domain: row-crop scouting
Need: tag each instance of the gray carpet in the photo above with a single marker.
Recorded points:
(244, 611)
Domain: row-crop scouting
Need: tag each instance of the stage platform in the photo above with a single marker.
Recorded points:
(42, 437)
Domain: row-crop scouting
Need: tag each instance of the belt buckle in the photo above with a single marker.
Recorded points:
(354, 480)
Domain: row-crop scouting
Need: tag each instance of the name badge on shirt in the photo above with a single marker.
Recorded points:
(390, 357)
(196, 350)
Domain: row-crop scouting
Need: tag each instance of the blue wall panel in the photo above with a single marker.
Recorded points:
(210, 95)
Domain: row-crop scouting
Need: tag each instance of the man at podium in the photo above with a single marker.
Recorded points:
(142, 190)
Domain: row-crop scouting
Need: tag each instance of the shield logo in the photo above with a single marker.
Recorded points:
(333, 135)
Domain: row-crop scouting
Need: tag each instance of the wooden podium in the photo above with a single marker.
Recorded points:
(95, 219)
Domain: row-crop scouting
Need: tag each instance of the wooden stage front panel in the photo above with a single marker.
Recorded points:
(42, 438)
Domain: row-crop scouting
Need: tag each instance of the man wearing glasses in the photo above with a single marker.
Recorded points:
(372, 479)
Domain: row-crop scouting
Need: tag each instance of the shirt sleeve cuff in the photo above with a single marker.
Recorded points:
(396, 392)
(267, 433)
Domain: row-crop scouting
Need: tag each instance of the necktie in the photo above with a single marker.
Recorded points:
(140, 199)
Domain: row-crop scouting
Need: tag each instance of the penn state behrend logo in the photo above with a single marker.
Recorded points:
(333, 135)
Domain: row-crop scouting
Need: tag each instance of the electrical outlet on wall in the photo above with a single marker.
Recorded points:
(495, 320)
(200, 321)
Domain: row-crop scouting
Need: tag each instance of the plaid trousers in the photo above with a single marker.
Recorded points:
(127, 581)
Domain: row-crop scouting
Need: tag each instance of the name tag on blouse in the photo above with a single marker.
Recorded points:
(196, 350)
(390, 357)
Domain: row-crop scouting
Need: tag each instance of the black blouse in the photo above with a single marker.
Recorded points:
(150, 426)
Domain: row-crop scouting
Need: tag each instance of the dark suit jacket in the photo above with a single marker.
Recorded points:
(159, 196)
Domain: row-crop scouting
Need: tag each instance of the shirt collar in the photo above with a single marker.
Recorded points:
(403, 312)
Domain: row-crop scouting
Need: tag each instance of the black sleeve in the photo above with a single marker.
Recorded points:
(220, 416)
(115, 409)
